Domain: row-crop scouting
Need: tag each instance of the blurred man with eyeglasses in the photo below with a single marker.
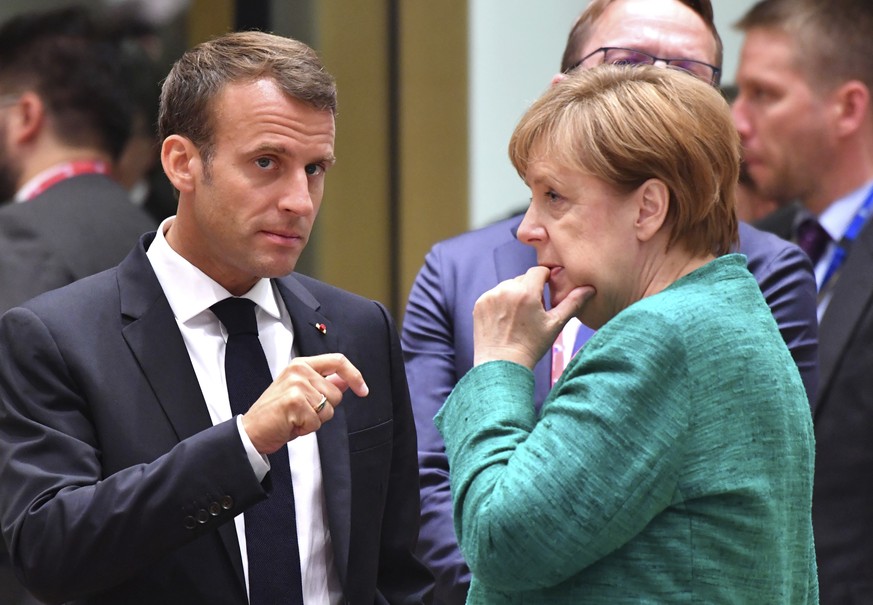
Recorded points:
(437, 331)
(805, 118)
(616, 55)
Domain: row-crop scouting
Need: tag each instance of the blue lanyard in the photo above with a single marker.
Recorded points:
(851, 234)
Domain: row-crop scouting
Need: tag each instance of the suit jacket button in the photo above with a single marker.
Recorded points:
(202, 516)
(226, 502)
(215, 509)
(190, 522)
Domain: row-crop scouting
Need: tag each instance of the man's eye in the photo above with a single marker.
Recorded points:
(314, 169)
(264, 162)
(757, 94)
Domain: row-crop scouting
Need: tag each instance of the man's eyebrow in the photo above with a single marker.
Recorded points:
(270, 148)
(282, 150)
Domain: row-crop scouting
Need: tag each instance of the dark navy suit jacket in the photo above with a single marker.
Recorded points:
(117, 488)
(437, 339)
(80, 226)
(842, 413)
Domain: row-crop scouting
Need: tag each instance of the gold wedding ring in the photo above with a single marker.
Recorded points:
(321, 404)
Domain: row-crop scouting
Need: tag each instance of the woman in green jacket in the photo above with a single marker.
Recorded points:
(672, 461)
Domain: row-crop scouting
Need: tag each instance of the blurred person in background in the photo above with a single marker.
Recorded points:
(65, 118)
(805, 117)
(753, 207)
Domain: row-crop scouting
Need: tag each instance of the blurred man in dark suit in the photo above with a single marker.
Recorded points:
(65, 116)
(64, 119)
(805, 117)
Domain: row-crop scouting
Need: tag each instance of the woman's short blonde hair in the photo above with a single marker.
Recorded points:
(626, 125)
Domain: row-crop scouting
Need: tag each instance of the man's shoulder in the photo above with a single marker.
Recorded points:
(784, 274)
(317, 293)
(86, 191)
(76, 308)
(761, 247)
(84, 294)
(89, 204)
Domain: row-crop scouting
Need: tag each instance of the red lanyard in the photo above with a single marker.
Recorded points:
(62, 172)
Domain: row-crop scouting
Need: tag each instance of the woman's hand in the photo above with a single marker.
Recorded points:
(510, 321)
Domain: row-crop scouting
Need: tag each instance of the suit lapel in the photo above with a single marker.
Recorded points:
(511, 260)
(315, 334)
(852, 295)
(165, 361)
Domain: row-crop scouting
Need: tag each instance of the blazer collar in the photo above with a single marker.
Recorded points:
(165, 361)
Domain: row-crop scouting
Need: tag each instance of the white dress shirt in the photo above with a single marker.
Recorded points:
(190, 293)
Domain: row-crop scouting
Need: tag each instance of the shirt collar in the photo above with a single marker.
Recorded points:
(838, 216)
(190, 291)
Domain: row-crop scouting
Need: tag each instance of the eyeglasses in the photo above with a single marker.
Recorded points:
(613, 55)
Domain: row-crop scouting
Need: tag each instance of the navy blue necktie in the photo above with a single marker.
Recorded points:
(271, 530)
(812, 239)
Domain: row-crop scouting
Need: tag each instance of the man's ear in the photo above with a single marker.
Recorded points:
(653, 202)
(181, 161)
(851, 103)
(557, 78)
(28, 118)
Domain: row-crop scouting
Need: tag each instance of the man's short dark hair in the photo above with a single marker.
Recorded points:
(201, 74)
(67, 58)
(833, 39)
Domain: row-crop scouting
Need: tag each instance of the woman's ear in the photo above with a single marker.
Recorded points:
(652, 204)
(181, 161)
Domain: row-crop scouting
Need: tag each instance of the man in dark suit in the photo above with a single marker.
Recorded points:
(63, 122)
(437, 333)
(64, 119)
(805, 117)
(128, 474)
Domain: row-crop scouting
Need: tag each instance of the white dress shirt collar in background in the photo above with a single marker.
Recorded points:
(836, 220)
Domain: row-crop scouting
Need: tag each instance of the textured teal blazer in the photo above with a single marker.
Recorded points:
(672, 462)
